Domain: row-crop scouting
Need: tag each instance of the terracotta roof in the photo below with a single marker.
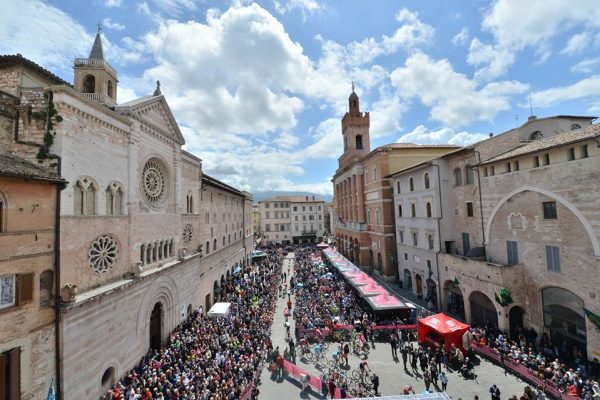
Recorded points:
(561, 139)
(11, 165)
(19, 59)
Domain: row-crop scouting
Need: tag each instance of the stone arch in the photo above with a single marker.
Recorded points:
(454, 299)
(111, 367)
(515, 320)
(89, 84)
(586, 224)
(483, 310)
(163, 290)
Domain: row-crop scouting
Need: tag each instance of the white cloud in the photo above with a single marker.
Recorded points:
(307, 7)
(577, 43)
(584, 88)
(113, 3)
(461, 38)
(327, 138)
(594, 108)
(109, 24)
(586, 66)
(454, 99)
(287, 141)
(412, 32)
(516, 25)
(422, 135)
(53, 44)
(388, 110)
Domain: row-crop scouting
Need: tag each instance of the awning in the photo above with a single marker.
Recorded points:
(385, 301)
(362, 280)
(322, 245)
(219, 310)
(372, 289)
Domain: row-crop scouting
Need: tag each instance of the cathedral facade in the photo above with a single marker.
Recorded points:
(145, 236)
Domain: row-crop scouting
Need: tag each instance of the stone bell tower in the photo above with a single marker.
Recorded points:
(95, 77)
(355, 129)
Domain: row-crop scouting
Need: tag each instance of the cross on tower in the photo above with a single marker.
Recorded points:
(99, 26)
(353, 86)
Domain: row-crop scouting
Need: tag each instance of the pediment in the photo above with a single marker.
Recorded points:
(154, 112)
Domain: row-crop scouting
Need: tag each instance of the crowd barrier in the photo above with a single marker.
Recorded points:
(314, 381)
(301, 332)
(521, 370)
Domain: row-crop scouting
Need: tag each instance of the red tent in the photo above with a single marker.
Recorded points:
(443, 330)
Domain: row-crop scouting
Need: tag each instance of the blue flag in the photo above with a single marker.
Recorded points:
(51, 391)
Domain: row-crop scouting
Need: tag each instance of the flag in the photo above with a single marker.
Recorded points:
(51, 391)
(455, 281)
(594, 318)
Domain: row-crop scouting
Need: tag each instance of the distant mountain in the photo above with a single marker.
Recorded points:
(260, 196)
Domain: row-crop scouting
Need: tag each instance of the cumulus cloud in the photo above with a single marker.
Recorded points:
(516, 25)
(113, 3)
(461, 38)
(587, 87)
(109, 24)
(422, 135)
(454, 99)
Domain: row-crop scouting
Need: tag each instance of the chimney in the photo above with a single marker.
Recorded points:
(313, 198)
(306, 198)
(531, 118)
(491, 134)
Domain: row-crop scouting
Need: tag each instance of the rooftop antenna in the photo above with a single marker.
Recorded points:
(530, 107)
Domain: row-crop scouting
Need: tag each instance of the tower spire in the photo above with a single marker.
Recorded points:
(97, 52)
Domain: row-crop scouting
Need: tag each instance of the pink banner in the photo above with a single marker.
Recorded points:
(314, 381)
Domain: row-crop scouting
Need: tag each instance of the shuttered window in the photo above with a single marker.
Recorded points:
(553, 258)
(10, 374)
(512, 252)
(24, 288)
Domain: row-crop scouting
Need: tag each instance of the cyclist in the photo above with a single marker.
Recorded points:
(317, 349)
(304, 345)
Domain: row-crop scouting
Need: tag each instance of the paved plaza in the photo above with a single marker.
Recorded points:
(392, 376)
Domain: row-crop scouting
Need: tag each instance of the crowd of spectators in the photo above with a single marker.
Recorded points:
(569, 371)
(213, 358)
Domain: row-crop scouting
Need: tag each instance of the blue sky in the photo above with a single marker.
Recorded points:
(259, 88)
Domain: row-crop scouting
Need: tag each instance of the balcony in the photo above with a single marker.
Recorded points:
(101, 98)
(309, 233)
(96, 63)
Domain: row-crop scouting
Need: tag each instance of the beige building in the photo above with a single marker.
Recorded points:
(518, 212)
(256, 220)
(145, 236)
(363, 198)
(28, 239)
(275, 221)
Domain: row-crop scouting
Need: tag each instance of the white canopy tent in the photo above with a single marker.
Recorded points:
(219, 310)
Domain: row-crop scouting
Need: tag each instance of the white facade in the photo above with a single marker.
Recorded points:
(307, 218)
(420, 195)
(275, 221)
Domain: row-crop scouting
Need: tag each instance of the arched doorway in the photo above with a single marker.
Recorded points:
(419, 283)
(515, 321)
(156, 326)
(564, 318)
(216, 292)
(483, 311)
(189, 310)
(432, 297)
(455, 303)
(379, 262)
(107, 380)
(407, 280)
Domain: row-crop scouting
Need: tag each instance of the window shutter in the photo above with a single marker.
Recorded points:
(14, 371)
(550, 258)
(24, 288)
(556, 258)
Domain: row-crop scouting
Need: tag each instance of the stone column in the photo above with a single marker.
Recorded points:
(360, 202)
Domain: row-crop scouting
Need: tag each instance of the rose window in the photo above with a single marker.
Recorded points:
(103, 253)
(187, 234)
(154, 182)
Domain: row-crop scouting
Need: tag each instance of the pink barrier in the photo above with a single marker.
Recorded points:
(314, 381)
(520, 369)
(247, 393)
